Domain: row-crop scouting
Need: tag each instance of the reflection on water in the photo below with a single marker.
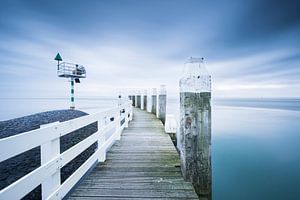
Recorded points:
(255, 151)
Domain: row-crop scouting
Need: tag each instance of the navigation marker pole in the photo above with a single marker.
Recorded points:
(72, 71)
(72, 106)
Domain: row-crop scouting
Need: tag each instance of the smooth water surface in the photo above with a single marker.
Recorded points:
(255, 149)
(255, 145)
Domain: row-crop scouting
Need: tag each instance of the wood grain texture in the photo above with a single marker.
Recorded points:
(144, 164)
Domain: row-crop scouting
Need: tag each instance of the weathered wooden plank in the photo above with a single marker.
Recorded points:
(143, 156)
(136, 179)
(144, 164)
(137, 186)
(122, 198)
(88, 192)
(139, 169)
(108, 174)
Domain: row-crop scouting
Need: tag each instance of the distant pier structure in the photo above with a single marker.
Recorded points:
(71, 71)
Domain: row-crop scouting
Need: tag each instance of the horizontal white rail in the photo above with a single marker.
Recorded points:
(48, 174)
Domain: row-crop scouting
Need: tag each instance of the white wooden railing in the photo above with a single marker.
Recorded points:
(48, 138)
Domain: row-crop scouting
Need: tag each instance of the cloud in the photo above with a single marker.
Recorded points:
(146, 44)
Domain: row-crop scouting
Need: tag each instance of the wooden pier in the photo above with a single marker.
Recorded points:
(143, 164)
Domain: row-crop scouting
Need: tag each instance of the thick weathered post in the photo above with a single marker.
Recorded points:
(142, 99)
(133, 99)
(162, 104)
(138, 99)
(145, 100)
(171, 128)
(149, 102)
(154, 100)
(195, 126)
(130, 97)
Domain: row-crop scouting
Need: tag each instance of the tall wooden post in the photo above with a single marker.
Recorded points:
(149, 101)
(142, 99)
(145, 100)
(138, 99)
(133, 99)
(154, 100)
(162, 103)
(195, 126)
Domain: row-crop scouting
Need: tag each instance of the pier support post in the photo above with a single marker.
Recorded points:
(195, 127)
(154, 101)
(149, 102)
(138, 99)
(162, 104)
(145, 100)
(171, 128)
(133, 100)
(142, 99)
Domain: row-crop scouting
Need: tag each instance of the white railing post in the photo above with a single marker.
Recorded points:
(127, 112)
(50, 150)
(117, 118)
(101, 140)
(131, 113)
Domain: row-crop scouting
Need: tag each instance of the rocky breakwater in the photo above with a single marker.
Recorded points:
(22, 164)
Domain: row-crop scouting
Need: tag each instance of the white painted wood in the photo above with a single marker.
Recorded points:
(28, 182)
(15, 145)
(74, 151)
(48, 136)
(74, 178)
(171, 124)
(50, 150)
(126, 117)
(101, 155)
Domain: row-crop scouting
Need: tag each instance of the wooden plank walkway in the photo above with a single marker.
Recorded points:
(144, 164)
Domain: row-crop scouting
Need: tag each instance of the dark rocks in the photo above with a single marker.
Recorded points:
(20, 165)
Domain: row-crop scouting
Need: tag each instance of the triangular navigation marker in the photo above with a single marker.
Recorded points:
(58, 57)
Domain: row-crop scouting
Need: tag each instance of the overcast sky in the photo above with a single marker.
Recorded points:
(251, 47)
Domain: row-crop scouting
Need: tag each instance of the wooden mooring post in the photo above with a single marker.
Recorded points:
(154, 101)
(133, 99)
(162, 104)
(138, 99)
(145, 100)
(195, 127)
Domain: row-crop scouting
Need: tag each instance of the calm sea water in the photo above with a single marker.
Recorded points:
(255, 143)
